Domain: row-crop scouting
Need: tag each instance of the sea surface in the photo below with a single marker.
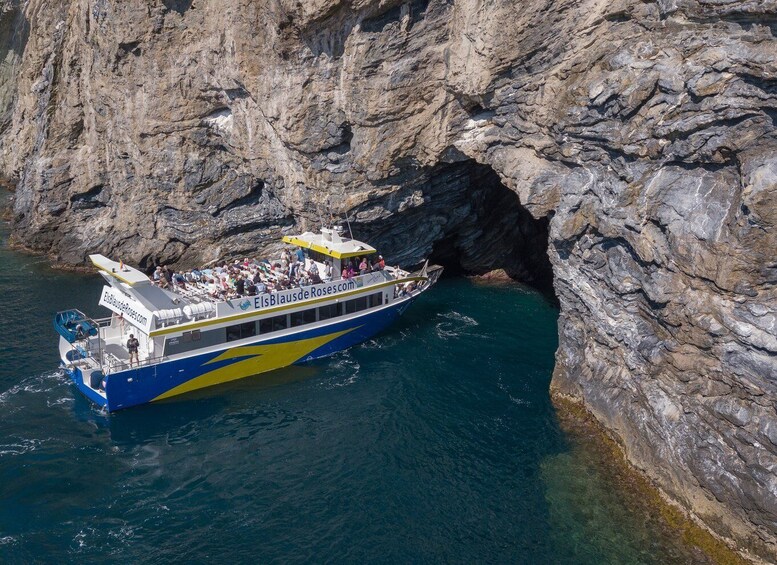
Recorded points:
(435, 442)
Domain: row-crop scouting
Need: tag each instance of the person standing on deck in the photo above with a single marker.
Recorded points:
(132, 347)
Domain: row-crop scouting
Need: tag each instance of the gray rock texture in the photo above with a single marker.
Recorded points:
(633, 140)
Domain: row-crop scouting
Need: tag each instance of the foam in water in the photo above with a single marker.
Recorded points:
(456, 325)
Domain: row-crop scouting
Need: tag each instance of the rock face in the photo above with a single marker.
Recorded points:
(634, 142)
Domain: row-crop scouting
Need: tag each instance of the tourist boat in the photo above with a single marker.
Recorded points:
(190, 340)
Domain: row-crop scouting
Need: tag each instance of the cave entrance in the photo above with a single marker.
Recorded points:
(491, 229)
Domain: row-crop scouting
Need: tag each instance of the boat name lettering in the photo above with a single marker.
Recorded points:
(125, 306)
(304, 293)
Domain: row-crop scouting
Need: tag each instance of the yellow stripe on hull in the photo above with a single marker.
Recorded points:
(260, 359)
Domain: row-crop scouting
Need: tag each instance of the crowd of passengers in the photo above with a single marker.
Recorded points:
(250, 277)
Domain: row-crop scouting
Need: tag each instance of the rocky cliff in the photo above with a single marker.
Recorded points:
(633, 143)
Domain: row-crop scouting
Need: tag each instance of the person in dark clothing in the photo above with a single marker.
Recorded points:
(240, 286)
(132, 347)
(167, 273)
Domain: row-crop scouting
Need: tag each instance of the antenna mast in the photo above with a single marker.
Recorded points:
(348, 220)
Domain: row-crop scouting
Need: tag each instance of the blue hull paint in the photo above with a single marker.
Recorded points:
(77, 377)
(142, 385)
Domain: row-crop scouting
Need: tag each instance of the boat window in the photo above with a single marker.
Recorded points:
(273, 324)
(304, 317)
(356, 305)
(195, 340)
(241, 331)
(328, 311)
(375, 299)
(193, 335)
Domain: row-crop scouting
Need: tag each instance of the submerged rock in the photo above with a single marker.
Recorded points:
(636, 141)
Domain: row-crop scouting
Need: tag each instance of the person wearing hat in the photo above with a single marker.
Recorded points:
(132, 347)
(380, 265)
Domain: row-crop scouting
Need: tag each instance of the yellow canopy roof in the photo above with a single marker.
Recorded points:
(329, 243)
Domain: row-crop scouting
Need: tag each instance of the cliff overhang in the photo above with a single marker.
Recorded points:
(635, 141)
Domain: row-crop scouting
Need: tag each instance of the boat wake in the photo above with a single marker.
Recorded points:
(346, 370)
(38, 384)
(386, 341)
(22, 446)
(455, 325)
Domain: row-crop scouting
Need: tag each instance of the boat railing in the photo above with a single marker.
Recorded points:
(103, 322)
(116, 365)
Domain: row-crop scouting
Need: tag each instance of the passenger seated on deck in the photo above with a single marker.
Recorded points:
(363, 266)
(213, 288)
(157, 274)
(179, 280)
(80, 332)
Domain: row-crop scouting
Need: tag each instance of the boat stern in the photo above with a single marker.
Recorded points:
(82, 379)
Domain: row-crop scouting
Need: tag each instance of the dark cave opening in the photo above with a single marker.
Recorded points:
(180, 6)
(498, 232)
(461, 216)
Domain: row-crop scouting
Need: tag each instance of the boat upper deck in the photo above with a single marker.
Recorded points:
(170, 298)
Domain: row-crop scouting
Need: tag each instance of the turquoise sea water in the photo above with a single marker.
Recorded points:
(433, 443)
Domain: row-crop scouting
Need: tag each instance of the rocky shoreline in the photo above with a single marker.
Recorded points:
(641, 494)
(623, 150)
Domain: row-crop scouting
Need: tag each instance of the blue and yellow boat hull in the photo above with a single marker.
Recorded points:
(180, 376)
